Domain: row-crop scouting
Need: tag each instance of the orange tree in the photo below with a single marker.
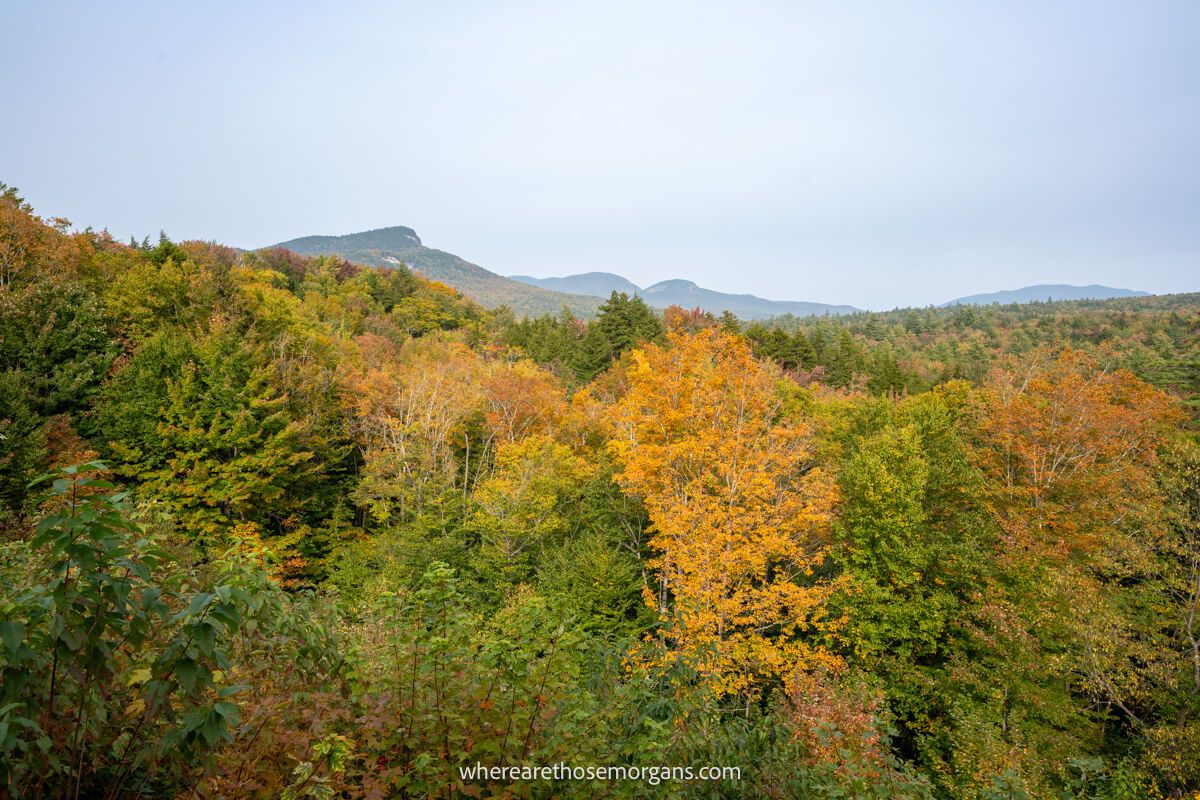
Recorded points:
(740, 507)
(1070, 451)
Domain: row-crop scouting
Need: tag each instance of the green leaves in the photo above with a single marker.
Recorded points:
(54, 332)
(11, 634)
(122, 663)
(188, 672)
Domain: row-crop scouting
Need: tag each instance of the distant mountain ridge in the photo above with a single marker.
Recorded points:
(596, 284)
(583, 293)
(390, 247)
(685, 293)
(1045, 291)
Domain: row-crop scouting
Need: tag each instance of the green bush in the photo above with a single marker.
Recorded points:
(116, 668)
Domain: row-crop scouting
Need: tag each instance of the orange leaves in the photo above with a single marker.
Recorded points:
(431, 410)
(1071, 447)
(837, 721)
(523, 399)
(739, 506)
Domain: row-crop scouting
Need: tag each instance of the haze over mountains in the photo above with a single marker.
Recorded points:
(527, 296)
(680, 292)
(583, 293)
(1043, 292)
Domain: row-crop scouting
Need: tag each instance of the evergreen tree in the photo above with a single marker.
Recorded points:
(23, 452)
(54, 332)
(593, 354)
(627, 321)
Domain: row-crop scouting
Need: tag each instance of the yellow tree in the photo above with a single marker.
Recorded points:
(739, 505)
(522, 505)
(522, 400)
(412, 404)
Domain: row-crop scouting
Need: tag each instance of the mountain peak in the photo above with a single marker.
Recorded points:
(672, 285)
(401, 231)
(396, 239)
(390, 247)
(593, 284)
(682, 292)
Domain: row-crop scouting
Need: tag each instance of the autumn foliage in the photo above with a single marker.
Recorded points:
(349, 532)
(739, 506)
(1072, 448)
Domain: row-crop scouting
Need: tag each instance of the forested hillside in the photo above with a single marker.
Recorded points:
(400, 246)
(286, 526)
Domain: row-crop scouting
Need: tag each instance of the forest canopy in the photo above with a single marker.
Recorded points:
(281, 526)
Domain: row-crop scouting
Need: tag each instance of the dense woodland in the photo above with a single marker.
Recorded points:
(277, 526)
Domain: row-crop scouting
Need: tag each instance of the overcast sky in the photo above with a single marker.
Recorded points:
(879, 154)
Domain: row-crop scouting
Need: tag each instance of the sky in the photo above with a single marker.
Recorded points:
(878, 154)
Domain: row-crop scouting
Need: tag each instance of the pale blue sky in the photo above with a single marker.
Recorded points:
(877, 154)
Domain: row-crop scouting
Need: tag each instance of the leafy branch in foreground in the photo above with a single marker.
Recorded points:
(117, 672)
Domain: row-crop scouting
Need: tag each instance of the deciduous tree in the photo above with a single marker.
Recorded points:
(739, 503)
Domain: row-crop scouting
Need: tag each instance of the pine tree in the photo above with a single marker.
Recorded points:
(593, 354)
(627, 321)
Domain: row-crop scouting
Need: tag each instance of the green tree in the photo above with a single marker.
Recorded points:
(23, 445)
(54, 332)
(593, 354)
(127, 413)
(627, 321)
(229, 448)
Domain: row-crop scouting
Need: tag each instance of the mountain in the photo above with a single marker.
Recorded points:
(1041, 292)
(595, 284)
(390, 247)
(683, 293)
(745, 306)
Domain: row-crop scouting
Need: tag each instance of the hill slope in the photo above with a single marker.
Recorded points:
(386, 247)
(684, 293)
(1042, 292)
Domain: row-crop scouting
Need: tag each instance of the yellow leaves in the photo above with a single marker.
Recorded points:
(639, 366)
(265, 294)
(443, 289)
(522, 399)
(522, 502)
(740, 510)
(138, 676)
(432, 412)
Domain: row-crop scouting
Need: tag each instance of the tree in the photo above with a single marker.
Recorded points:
(846, 360)
(523, 506)
(593, 354)
(32, 249)
(414, 406)
(230, 449)
(126, 414)
(1070, 451)
(23, 450)
(53, 330)
(116, 669)
(1071, 448)
(739, 504)
(627, 321)
(522, 399)
(884, 486)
